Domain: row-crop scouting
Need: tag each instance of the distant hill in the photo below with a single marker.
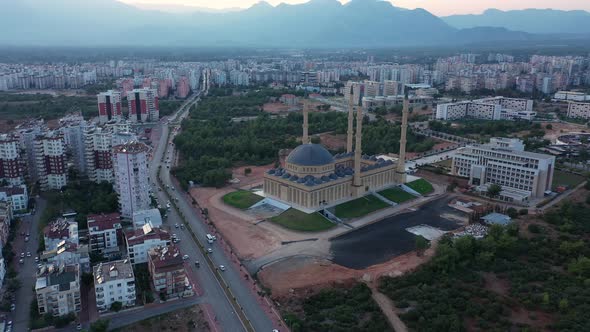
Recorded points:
(318, 23)
(545, 21)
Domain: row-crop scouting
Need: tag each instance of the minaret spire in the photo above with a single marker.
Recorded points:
(350, 130)
(356, 182)
(401, 162)
(305, 138)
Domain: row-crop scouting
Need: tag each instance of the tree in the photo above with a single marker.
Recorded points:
(512, 213)
(116, 306)
(494, 190)
(549, 126)
(100, 325)
(421, 245)
(247, 171)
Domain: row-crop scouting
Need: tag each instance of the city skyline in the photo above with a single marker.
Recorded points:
(450, 7)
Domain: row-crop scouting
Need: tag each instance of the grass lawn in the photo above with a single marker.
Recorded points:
(241, 199)
(422, 186)
(561, 178)
(301, 221)
(396, 195)
(359, 207)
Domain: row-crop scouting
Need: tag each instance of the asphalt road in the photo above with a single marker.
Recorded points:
(214, 294)
(26, 271)
(388, 238)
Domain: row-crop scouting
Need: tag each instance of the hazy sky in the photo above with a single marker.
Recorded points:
(437, 7)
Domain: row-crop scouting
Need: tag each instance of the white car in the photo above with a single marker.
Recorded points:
(222, 267)
(185, 257)
(209, 250)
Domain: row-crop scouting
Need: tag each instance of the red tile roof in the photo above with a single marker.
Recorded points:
(104, 221)
(137, 236)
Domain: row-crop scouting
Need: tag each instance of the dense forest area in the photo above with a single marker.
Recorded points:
(210, 142)
(85, 197)
(48, 107)
(531, 278)
(339, 310)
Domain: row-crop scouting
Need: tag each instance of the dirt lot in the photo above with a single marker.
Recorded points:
(561, 128)
(333, 142)
(185, 320)
(275, 108)
(301, 276)
(249, 238)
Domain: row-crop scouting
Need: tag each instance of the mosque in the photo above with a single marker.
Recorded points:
(312, 178)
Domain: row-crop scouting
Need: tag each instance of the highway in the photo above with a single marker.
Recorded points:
(214, 294)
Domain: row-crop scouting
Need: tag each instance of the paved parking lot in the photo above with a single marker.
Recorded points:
(388, 238)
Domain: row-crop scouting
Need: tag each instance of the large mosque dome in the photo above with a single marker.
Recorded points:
(310, 155)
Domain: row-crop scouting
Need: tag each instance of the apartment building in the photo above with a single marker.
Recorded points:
(104, 232)
(11, 165)
(68, 253)
(167, 270)
(140, 241)
(391, 88)
(522, 175)
(130, 163)
(99, 144)
(57, 289)
(109, 106)
(578, 110)
(151, 217)
(16, 195)
(59, 230)
(497, 108)
(143, 105)
(114, 282)
(50, 157)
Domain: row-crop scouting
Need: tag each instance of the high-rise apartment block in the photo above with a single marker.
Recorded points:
(99, 143)
(130, 162)
(521, 174)
(109, 106)
(73, 128)
(11, 165)
(143, 105)
(50, 158)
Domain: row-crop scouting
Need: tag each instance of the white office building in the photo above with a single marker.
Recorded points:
(522, 175)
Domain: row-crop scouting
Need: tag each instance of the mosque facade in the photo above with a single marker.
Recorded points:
(312, 178)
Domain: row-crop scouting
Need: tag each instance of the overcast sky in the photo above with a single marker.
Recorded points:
(437, 7)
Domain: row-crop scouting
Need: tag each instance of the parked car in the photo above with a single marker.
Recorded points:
(222, 267)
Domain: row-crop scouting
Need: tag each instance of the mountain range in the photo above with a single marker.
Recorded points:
(317, 23)
(539, 21)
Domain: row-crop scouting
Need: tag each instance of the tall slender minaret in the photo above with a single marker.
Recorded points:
(401, 162)
(350, 130)
(305, 138)
(356, 181)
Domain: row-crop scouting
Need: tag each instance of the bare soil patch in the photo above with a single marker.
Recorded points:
(185, 320)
